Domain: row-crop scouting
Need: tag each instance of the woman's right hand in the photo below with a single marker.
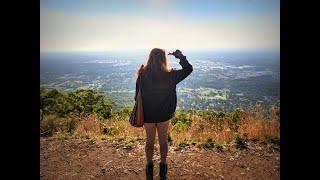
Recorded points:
(177, 54)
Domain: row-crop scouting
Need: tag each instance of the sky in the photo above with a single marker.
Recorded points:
(118, 25)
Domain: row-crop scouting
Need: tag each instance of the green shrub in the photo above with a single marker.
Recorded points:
(61, 135)
(234, 118)
(272, 139)
(240, 141)
(209, 143)
(182, 116)
(219, 145)
(53, 123)
(179, 126)
(72, 125)
(128, 145)
(47, 126)
(89, 101)
(183, 143)
(221, 115)
(109, 130)
(82, 135)
(123, 113)
(131, 139)
(85, 101)
(209, 115)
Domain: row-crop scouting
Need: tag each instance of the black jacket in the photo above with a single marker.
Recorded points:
(158, 92)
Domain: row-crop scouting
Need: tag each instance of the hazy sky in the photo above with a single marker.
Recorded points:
(113, 25)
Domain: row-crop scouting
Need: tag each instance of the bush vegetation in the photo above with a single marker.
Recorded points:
(85, 113)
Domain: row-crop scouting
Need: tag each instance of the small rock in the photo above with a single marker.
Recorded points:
(103, 170)
(127, 147)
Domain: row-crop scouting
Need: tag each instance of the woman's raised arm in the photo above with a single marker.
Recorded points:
(181, 74)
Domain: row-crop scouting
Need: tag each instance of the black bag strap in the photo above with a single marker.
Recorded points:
(139, 79)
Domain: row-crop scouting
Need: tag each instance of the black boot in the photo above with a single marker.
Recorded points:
(149, 171)
(163, 171)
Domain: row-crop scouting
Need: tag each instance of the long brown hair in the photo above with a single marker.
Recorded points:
(157, 62)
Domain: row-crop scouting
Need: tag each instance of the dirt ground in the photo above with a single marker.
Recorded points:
(86, 159)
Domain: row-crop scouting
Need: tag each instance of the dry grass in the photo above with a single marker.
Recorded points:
(123, 129)
(255, 124)
(91, 126)
(53, 123)
(261, 125)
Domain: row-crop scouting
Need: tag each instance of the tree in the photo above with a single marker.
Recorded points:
(81, 101)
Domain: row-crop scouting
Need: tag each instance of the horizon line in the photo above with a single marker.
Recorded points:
(183, 49)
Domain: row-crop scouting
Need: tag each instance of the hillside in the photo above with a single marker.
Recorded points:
(83, 137)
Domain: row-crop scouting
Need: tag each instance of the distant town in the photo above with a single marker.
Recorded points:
(214, 83)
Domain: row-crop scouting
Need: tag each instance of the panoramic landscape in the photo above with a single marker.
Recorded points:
(227, 120)
(222, 81)
(228, 110)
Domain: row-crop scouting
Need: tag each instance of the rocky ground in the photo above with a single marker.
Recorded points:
(87, 159)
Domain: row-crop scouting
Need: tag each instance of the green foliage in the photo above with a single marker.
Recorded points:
(53, 123)
(183, 143)
(128, 145)
(84, 101)
(182, 116)
(72, 125)
(272, 139)
(179, 126)
(131, 139)
(221, 114)
(81, 135)
(209, 115)
(214, 118)
(123, 113)
(54, 102)
(88, 101)
(63, 114)
(47, 127)
(234, 118)
(109, 130)
(240, 141)
(61, 135)
(219, 145)
(209, 143)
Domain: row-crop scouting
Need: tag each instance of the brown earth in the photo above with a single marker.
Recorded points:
(87, 159)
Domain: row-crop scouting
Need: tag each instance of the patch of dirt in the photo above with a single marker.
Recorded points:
(86, 159)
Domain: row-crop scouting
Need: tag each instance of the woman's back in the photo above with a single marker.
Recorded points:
(159, 91)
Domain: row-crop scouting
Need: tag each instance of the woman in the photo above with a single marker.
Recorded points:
(158, 90)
